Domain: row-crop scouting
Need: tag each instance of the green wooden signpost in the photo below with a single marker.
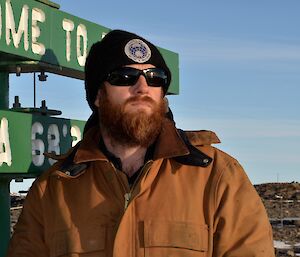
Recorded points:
(35, 36)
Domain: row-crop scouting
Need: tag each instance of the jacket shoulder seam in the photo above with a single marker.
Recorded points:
(220, 173)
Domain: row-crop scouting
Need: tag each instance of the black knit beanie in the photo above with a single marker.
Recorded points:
(118, 48)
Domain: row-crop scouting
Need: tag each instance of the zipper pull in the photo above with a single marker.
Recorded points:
(127, 197)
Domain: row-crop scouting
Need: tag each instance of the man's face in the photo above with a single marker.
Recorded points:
(132, 115)
(135, 96)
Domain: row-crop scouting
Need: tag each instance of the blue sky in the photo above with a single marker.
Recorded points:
(239, 73)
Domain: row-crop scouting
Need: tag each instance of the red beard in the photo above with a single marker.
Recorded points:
(131, 128)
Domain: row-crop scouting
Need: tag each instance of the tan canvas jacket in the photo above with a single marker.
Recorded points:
(176, 208)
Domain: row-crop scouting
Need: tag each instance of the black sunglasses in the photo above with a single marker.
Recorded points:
(128, 76)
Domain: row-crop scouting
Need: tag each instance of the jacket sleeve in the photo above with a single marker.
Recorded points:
(241, 224)
(28, 237)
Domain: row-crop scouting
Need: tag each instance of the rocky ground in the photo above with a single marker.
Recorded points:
(282, 202)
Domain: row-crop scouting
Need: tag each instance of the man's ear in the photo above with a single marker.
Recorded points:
(97, 100)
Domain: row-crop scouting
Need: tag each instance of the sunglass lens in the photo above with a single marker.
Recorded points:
(128, 76)
(123, 77)
(156, 77)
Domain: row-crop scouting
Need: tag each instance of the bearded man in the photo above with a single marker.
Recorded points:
(136, 185)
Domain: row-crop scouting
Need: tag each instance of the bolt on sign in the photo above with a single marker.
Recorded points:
(32, 30)
(25, 137)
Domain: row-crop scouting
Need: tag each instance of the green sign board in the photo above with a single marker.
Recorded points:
(25, 137)
(34, 35)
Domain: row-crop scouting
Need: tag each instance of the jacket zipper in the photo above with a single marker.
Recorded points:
(128, 195)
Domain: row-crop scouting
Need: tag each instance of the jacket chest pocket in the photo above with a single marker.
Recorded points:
(72, 242)
(171, 238)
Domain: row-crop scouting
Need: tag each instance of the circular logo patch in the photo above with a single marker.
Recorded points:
(137, 50)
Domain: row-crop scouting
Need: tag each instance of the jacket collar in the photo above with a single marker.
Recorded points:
(202, 137)
(169, 144)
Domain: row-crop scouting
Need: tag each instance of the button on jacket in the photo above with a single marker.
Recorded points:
(179, 205)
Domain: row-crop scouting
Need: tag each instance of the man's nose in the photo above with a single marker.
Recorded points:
(141, 86)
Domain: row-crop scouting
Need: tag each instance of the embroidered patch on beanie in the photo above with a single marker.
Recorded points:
(137, 50)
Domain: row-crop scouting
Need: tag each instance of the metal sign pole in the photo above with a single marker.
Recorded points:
(4, 92)
(4, 180)
(4, 214)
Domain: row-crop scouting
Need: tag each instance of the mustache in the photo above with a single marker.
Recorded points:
(140, 98)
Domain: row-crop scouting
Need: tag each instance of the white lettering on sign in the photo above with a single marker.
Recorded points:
(38, 146)
(76, 134)
(81, 49)
(53, 141)
(81, 41)
(15, 35)
(14, 27)
(68, 26)
(5, 151)
(11, 27)
(37, 16)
